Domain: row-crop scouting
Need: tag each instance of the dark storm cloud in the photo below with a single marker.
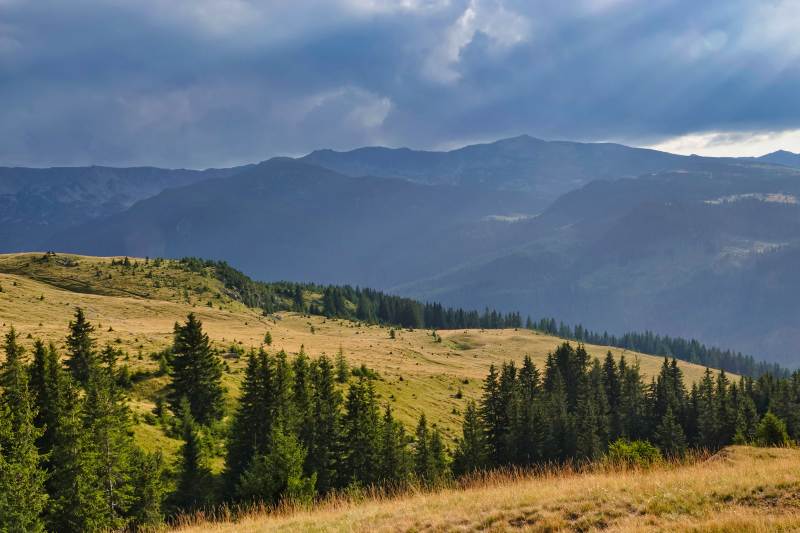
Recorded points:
(214, 82)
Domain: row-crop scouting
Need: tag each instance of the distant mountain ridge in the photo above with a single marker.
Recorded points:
(547, 169)
(288, 219)
(782, 157)
(36, 202)
(692, 246)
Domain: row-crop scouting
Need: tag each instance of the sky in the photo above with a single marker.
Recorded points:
(201, 83)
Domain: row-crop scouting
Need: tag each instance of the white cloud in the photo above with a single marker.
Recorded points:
(732, 144)
(343, 107)
(773, 24)
(393, 6)
(503, 27)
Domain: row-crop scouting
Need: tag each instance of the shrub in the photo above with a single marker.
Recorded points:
(637, 453)
(772, 431)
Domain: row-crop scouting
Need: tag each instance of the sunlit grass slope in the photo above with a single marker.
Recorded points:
(136, 308)
(739, 489)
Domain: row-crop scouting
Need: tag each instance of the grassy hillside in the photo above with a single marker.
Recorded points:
(710, 495)
(135, 307)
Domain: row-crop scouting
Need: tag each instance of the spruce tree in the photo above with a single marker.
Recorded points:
(393, 451)
(77, 499)
(47, 388)
(423, 461)
(470, 452)
(278, 475)
(611, 382)
(632, 401)
(283, 391)
(149, 489)
(107, 419)
(196, 373)
(669, 435)
(491, 413)
(252, 422)
(298, 302)
(323, 457)
(303, 423)
(746, 419)
(560, 441)
(360, 425)
(365, 310)
(81, 356)
(342, 371)
(21, 472)
(707, 422)
(193, 489)
(588, 445)
(724, 410)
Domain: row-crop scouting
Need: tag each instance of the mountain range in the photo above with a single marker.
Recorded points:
(618, 238)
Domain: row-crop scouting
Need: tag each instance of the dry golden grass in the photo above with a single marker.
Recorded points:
(136, 310)
(739, 489)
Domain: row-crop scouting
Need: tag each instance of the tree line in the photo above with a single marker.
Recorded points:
(576, 408)
(304, 427)
(647, 342)
(68, 461)
(376, 307)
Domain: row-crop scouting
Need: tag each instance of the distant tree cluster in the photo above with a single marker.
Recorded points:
(577, 408)
(376, 307)
(648, 342)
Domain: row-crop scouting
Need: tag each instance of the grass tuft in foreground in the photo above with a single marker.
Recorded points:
(737, 489)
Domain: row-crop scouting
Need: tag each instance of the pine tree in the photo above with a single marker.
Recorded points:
(21, 472)
(632, 401)
(303, 423)
(724, 411)
(342, 371)
(588, 445)
(746, 419)
(491, 413)
(148, 488)
(282, 393)
(423, 463)
(278, 475)
(365, 310)
(252, 422)
(196, 373)
(393, 451)
(107, 419)
(669, 435)
(707, 422)
(77, 499)
(81, 348)
(325, 438)
(360, 435)
(611, 382)
(470, 452)
(439, 460)
(560, 440)
(193, 488)
(600, 400)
